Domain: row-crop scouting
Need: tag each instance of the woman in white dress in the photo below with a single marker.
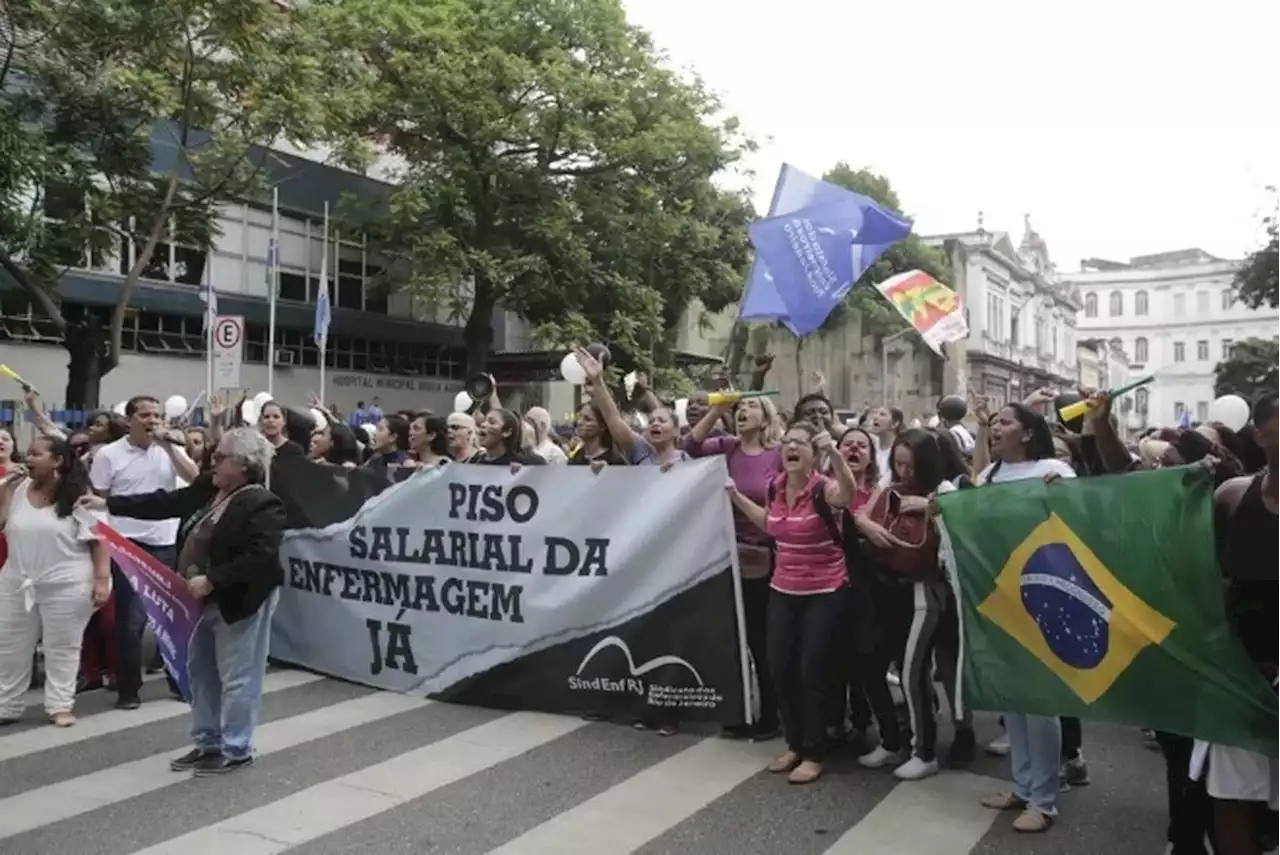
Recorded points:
(55, 576)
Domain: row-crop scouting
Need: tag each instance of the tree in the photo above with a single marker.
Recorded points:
(551, 167)
(128, 121)
(1256, 281)
(1251, 370)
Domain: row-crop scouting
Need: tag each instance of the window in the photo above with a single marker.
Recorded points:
(1202, 351)
(1178, 409)
(1202, 411)
(1140, 303)
(1117, 304)
(1202, 302)
(1140, 350)
(1228, 298)
(1091, 305)
(1227, 348)
(1179, 305)
(995, 317)
(1142, 400)
(1179, 352)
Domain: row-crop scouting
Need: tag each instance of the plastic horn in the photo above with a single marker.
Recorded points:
(1079, 408)
(13, 375)
(719, 399)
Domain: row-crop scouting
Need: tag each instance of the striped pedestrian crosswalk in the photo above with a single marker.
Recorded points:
(345, 769)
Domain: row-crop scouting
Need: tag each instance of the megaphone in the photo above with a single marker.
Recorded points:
(479, 387)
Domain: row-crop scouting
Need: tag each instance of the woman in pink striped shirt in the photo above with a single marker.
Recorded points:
(808, 589)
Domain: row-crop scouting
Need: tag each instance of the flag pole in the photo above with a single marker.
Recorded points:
(323, 343)
(210, 320)
(273, 288)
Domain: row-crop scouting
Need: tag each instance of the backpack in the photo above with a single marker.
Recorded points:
(820, 506)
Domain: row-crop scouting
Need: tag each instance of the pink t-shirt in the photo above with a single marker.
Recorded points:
(807, 560)
(751, 474)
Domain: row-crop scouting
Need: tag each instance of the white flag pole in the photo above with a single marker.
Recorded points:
(210, 320)
(323, 343)
(273, 289)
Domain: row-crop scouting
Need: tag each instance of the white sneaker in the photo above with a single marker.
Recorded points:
(999, 747)
(879, 757)
(916, 769)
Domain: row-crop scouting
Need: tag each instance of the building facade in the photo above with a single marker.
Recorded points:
(1173, 315)
(382, 343)
(1022, 318)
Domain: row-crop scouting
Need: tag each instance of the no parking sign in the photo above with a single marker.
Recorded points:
(228, 351)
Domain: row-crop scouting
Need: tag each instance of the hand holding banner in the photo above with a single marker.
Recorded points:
(170, 608)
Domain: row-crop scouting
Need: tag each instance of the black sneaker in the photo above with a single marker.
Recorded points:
(191, 759)
(219, 765)
(128, 702)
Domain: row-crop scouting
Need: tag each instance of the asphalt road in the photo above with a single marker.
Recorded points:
(344, 770)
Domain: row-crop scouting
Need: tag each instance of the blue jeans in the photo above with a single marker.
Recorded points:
(225, 666)
(1035, 753)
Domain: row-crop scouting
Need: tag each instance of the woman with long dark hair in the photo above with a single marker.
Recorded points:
(428, 441)
(55, 576)
(501, 433)
(1022, 444)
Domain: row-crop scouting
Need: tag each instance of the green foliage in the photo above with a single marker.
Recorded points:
(552, 167)
(1254, 368)
(1256, 282)
(878, 317)
(118, 117)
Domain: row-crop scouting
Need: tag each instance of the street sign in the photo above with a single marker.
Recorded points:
(228, 351)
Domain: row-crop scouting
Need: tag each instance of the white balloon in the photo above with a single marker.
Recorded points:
(175, 406)
(462, 402)
(571, 369)
(261, 398)
(1231, 410)
(118, 409)
(933, 421)
(369, 430)
(319, 418)
(249, 411)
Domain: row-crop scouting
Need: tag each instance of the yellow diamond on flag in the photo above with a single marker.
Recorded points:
(1057, 599)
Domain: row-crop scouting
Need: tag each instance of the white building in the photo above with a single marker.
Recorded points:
(1022, 320)
(1174, 316)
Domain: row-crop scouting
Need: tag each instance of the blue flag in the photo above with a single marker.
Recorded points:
(816, 243)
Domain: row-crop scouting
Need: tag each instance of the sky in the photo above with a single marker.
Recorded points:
(1123, 128)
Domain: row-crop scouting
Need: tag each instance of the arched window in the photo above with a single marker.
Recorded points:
(1117, 304)
(1091, 305)
(1140, 350)
(1140, 303)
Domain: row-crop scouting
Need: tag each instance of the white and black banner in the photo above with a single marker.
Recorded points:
(548, 589)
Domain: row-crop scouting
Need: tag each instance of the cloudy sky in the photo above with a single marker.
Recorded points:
(1123, 127)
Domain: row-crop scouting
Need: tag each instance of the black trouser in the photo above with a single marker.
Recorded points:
(131, 620)
(1190, 808)
(801, 629)
(927, 602)
(946, 655)
(881, 640)
(755, 612)
(1072, 737)
(847, 696)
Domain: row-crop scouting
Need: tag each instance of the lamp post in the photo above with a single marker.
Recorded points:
(884, 363)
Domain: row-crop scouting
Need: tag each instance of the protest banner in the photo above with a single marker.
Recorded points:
(170, 608)
(549, 589)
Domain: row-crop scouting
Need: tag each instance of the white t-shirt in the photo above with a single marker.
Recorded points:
(550, 452)
(45, 548)
(962, 437)
(1026, 469)
(121, 468)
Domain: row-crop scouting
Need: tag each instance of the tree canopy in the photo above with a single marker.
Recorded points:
(1254, 368)
(551, 166)
(1256, 282)
(127, 121)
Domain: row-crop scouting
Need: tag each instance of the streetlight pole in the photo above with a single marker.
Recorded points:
(884, 363)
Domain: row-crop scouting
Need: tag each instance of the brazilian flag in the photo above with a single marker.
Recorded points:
(1101, 598)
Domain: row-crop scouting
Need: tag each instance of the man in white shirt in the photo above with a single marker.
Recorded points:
(136, 463)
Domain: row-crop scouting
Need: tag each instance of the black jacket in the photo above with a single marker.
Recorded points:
(244, 552)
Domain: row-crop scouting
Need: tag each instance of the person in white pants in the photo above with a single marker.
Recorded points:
(56, 575)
